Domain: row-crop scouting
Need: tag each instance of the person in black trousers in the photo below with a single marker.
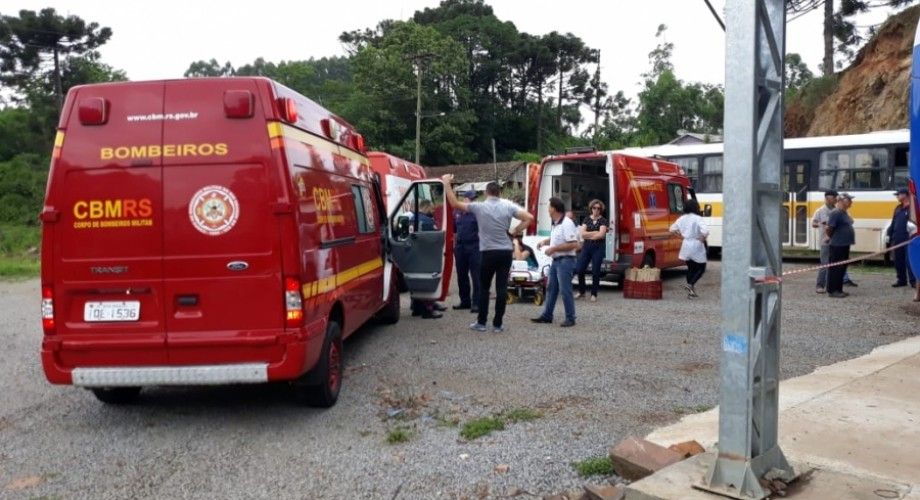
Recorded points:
(842, 236)
(898, 233)
(468, 257)
(593, 234)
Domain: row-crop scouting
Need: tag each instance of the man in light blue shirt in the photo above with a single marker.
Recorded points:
(561, 246)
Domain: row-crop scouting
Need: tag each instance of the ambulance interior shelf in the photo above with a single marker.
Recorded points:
(582, 181)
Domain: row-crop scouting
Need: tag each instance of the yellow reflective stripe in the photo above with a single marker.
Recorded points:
(276, 129)
(59, 139)
(330, 283)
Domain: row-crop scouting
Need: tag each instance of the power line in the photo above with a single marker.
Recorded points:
(715, 14)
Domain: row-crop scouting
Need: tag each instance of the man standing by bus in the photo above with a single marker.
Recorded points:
(493, 216)
(819, 222)
(842, 236)
(898, 233)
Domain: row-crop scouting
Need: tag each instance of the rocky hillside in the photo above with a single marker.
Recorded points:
(870, 95)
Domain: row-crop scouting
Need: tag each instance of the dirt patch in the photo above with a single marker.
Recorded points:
(696, 366)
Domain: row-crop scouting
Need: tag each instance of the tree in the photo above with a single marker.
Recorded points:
(212, 68)
(847, 33)
(25, 39)
(797, 73)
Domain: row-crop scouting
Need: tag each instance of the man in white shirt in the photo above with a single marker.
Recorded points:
(561, 247)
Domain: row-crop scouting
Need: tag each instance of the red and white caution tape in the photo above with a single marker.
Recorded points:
(776, 279)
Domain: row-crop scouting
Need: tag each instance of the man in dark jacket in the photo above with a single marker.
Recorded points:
(898, 233)
(468, 257)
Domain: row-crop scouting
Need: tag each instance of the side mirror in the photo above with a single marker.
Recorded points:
(707, 210)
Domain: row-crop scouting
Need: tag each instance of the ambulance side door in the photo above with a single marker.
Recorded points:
(421, 240)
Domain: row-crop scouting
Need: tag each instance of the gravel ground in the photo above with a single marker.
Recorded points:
(626, 368)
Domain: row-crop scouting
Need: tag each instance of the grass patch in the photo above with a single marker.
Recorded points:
(398, 435)
(18, 267)
(686, 410)
(444, 421)
(480, 427)
(597, 466)
(521, 415)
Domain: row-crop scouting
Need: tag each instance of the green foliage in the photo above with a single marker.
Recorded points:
(18, 267)
(22, 186)
(399, 434)
(529, 157)
(480, 427)
(597, 466)
(19, 240)
(797, 74)
(813, 93)
(31, 36)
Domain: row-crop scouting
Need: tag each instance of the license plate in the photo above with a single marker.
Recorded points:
(112, 311)
(520, 278)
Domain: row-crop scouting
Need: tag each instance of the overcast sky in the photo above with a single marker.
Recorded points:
(159, 39)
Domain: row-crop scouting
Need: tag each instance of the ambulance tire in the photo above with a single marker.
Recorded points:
(117, 395)
(389, 315)
(328, 371)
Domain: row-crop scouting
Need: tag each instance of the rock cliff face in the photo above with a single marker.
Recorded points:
(872, 94)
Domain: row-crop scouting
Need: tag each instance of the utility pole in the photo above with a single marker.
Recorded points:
(494, 163)
(417, 60)
(748, 449)
(418, 111)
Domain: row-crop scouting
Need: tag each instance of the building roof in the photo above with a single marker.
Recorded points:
(685, 137)
(480, 172)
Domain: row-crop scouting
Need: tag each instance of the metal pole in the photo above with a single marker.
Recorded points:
(748, 448)
(494, 164)
(418, 111)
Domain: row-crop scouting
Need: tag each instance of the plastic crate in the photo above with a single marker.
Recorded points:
(649, 290)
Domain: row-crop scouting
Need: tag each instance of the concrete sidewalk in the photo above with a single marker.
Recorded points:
(856, 423)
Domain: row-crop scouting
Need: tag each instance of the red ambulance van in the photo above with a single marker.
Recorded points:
(643, 198)
(218, 231)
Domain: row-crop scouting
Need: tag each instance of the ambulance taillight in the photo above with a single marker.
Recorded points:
(288, 109)
(239, 104)
(293, 303)
(93, 111)
(48, 310)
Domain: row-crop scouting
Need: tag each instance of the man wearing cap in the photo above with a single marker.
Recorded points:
(819, 222)
(468, 258)
(841, 236)
(898, 233)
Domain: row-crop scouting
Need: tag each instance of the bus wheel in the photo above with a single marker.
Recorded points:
(389, 315)
(117, 395)
(328, 371)
(648, 260)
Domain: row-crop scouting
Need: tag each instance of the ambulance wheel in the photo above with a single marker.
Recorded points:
(117, 395)
(328, 371)
(538, 298)
(512, 298)
(389, 315)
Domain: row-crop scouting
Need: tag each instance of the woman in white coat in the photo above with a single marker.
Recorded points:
(694, 231)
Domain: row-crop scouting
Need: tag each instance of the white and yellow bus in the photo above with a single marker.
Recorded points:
(868, 166)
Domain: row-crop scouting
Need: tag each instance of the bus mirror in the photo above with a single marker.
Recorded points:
(401, 231)
(707, 210)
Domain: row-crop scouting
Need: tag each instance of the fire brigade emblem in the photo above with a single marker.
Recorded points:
(214, 210)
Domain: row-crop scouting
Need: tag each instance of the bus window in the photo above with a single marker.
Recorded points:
(854, 169)
(712, 175)
(691, 167)
(901, 165)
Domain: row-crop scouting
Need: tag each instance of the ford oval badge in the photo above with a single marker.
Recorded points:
(238, 265)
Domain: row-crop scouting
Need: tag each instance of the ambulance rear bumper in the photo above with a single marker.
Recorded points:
(245, 373)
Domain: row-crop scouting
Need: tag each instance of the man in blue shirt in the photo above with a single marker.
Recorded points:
(467, 255)
(898, 233)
